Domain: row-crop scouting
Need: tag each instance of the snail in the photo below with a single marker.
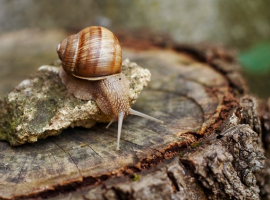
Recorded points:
(91, 69)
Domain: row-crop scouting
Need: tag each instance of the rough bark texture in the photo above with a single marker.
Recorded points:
(221, 166)
(264, 176)
(209, 147)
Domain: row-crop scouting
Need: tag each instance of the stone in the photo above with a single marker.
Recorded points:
(41, 106)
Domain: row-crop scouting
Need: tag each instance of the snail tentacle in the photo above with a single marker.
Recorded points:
(134, 112)
(120, 122)
(110, 123)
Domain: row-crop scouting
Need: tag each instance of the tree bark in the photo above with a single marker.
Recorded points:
(209, 147)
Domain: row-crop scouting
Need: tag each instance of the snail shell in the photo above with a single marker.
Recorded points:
(93, 54)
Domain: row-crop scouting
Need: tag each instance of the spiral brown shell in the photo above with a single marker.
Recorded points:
(93, 53)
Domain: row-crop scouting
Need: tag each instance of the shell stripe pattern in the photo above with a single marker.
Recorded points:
(89, 44)
(67, 54)
(99, 53)
(93, 52)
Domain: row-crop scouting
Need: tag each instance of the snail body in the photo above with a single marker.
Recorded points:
(91, 69)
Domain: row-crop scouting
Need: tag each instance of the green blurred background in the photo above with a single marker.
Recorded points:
(30, 30)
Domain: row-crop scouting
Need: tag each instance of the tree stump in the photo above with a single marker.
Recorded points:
(208, 148)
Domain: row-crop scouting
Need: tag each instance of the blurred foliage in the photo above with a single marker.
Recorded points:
(256, 67)
(235, 23)
(257, 59)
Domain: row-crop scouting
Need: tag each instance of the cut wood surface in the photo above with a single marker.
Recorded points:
(194, 100)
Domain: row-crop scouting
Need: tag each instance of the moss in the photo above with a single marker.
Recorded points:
(195, 144)
(181, 154)
(135, 177)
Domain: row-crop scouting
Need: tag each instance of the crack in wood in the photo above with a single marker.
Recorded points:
(137, 145)
(87, 145)
(184, 95)
(173, 181)
(69, 157)
(55, 159)
(19, 176)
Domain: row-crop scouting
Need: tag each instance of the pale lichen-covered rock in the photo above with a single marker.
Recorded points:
(41, 106)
